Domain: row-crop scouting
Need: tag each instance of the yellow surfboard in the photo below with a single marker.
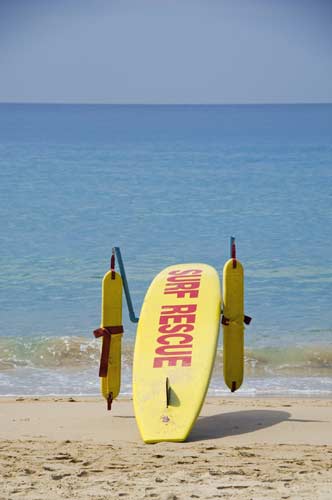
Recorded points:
(175, 349)
(111, 332)
(233, 328)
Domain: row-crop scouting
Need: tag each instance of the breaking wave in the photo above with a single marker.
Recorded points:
(77, 353)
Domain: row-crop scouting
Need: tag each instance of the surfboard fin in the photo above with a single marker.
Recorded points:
(168, 393)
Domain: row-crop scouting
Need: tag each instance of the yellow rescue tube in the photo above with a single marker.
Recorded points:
(111, 332)
(175, 349)
(233, 327)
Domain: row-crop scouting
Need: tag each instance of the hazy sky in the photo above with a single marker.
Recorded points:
(166, 51)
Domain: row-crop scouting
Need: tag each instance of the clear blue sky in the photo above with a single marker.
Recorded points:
(166, 51)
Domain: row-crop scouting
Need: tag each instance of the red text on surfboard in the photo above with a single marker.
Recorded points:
(175, 343)
(183, 283)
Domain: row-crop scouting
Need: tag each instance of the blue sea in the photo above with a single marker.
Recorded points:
(167, 184)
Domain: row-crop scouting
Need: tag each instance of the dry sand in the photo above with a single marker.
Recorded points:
(54, 448)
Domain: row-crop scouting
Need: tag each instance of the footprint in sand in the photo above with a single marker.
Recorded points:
(63, 456)
(82, 473)
(29, 471)
(59, 475)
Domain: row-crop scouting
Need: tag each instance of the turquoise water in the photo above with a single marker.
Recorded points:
(167, 184)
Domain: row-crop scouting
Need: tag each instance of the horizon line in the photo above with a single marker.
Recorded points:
(92, 103)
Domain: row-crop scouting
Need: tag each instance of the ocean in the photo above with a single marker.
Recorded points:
(167, 184)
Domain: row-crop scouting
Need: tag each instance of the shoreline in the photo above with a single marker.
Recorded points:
(128, 397)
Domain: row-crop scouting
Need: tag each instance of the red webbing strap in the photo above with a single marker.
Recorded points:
(106, 332)
(109, 401)
(234, 254)
(113, 265)
(246, 320)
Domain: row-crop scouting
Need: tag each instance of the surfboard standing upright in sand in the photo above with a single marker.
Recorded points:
(175, 349)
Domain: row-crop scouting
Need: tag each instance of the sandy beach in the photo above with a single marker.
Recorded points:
(239, 448)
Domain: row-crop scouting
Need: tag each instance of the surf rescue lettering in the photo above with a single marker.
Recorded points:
(176, 321)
